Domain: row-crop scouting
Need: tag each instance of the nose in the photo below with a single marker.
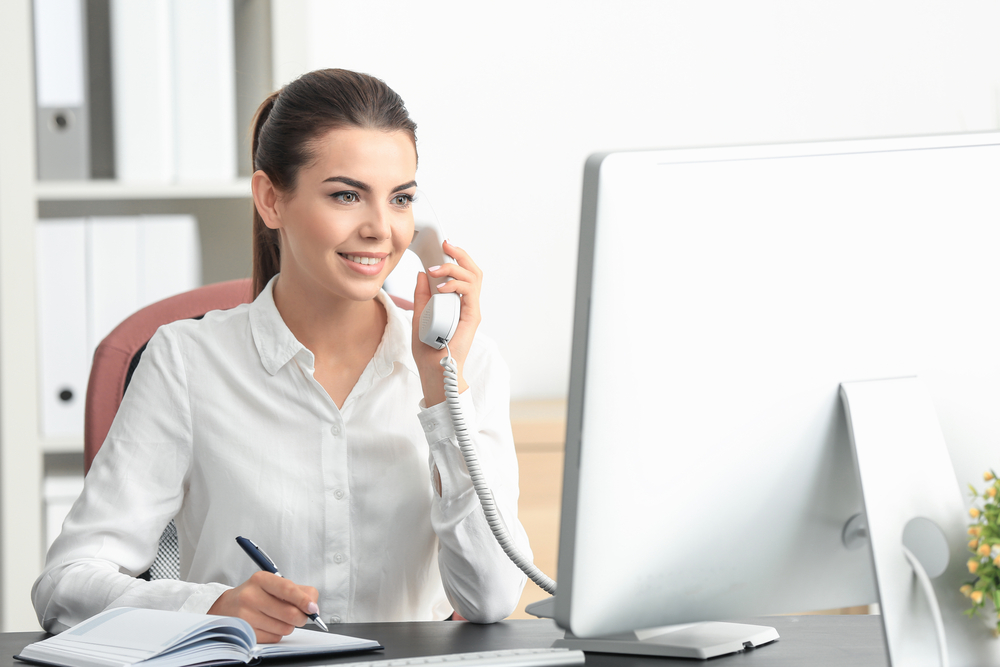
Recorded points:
(377, 223)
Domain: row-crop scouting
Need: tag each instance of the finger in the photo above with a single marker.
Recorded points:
(266, 637)
(284, 613)
(470, 299)
(421, 293)
(266, 626)
(458, 287)
(288, 595)
(462, 257)
(455, 271)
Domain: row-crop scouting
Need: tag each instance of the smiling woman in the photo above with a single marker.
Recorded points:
(311, 420)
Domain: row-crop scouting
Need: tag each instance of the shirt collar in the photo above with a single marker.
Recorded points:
(396, 341)
(276, 344)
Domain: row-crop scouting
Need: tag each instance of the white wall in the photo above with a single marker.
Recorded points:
(511, 97)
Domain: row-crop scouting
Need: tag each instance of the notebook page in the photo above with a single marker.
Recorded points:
(305, 642)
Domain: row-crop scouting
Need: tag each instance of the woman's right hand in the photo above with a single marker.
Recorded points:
(271, 605)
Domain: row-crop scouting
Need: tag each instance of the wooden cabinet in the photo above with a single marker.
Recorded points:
(539, 435)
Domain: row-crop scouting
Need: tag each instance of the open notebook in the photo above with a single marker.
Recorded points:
(155, 638)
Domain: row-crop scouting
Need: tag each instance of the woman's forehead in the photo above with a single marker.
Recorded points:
(380, 156)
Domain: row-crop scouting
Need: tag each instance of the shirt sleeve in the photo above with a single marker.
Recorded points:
(481, 582)
(135, 486)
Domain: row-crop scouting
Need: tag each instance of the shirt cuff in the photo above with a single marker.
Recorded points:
(204, 598)
(436, 420)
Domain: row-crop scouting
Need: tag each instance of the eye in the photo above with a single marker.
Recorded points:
(348, 197)
(402, 200)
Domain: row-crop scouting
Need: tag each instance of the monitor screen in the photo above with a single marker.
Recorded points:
(723, 294)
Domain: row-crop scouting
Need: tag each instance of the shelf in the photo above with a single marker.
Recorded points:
(62, 445)
(117, 191)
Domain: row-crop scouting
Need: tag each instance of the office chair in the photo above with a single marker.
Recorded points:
(117, 357)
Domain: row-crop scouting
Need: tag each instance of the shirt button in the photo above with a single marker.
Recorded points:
(430, 426)
(338, 494)
(335, 430)
(335, 619)
(339, 558)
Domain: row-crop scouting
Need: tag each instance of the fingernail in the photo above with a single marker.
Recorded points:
(442, 285)
(434, 268)
(313, 608)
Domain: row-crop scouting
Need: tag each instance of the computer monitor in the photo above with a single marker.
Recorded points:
(723, 294)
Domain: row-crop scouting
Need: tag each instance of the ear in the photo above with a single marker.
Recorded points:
(265, 198)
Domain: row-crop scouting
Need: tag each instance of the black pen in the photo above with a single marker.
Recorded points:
(262, 560)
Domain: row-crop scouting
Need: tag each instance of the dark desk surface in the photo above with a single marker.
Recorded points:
(815, 641)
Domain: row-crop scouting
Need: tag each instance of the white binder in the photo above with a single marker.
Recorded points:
(64, 358)
(62, 115)
(112, 275)
(135, 261)
(142, 91)
(169, 257)
(92, 274)
(205, 92)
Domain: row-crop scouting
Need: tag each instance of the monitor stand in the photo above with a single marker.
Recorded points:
(691, 640)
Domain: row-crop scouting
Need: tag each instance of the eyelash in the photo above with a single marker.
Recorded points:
(339, 195)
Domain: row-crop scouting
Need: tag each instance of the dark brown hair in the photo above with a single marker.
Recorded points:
(289, 122)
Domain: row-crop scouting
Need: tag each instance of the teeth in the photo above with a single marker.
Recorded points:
(363, 260)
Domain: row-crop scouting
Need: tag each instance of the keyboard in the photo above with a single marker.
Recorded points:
(518, 657)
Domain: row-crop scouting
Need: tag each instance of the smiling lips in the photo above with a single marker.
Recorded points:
(367, 265)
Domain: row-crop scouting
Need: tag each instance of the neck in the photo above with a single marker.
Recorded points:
(328, 325)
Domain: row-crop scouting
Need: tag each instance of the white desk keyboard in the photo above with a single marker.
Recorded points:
(518, 657)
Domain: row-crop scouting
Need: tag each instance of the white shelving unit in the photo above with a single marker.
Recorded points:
(269, 51)
(47, 191)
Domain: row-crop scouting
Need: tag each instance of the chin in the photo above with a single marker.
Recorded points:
(361, 292)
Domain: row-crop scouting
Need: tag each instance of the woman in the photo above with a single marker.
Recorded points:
(311, 421)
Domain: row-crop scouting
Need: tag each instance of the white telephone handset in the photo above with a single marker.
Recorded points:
(438, 323)
(439, 320)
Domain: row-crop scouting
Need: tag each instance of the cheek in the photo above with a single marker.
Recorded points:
(320, 229)
(402, 235)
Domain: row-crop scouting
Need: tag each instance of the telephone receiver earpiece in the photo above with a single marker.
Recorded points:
(439, 320)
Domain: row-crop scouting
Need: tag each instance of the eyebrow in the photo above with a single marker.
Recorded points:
(364, 186)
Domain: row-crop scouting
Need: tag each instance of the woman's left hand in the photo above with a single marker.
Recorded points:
(468, 281)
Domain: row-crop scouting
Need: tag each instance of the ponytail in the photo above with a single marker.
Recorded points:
(266, 249)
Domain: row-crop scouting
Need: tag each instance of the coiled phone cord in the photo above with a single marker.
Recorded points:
(493, 517)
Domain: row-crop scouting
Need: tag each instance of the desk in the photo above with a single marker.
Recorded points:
(813, 641)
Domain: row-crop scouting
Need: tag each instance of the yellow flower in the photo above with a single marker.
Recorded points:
(987, 476)
(975, 530)
(977, 596)
(966, 590)
(996, 561)
(992, 492)
(973, 566)
(973, 544)
(974, 512)
(984, 550)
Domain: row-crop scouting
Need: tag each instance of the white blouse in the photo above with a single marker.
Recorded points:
(224, 429)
